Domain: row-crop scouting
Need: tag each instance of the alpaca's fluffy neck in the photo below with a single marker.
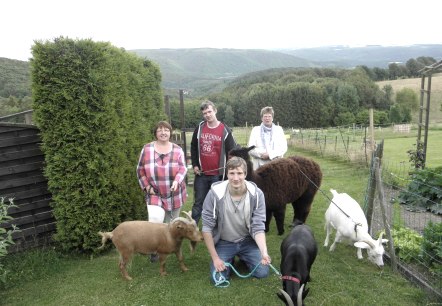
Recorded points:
(251, 175)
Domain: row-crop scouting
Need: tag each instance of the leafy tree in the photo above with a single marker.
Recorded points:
(413, 67)
(347, 99)
(385, 98)
(369, 72)
(14, 105)
(345, 118)
(228, 117)
(426, 60)
(379, 117)
(394, 71)
(366, 87)
(380, 74)
(408, 99)
(399, 114)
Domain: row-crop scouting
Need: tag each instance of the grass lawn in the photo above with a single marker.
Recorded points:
(339, 278)
(395, 149)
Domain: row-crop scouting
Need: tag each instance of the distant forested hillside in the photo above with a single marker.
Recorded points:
(14, 78)
(15, 86)
(205, 72)
(370, 56)
(208, 70)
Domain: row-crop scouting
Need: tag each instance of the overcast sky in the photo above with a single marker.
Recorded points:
(239, 24)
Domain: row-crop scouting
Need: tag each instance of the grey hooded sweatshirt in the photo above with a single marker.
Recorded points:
(213, 210)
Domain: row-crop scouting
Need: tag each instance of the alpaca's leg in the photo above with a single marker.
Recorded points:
(295, 213)
(302, 207)
(279, 218)
(269, 215)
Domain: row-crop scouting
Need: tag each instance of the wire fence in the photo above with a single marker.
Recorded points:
(411, 225)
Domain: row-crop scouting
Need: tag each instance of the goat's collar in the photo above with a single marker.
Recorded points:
(356, 231)
(291, 278)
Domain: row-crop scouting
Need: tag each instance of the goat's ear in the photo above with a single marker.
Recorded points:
(250, 148)
(361, 244)
(180, 224)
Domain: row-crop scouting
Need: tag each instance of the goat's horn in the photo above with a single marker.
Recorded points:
(180, 219)
(299, 297)
(370, 243)
(287, 298)
(188, 215)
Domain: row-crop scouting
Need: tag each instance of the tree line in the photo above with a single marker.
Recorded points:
(305, 98)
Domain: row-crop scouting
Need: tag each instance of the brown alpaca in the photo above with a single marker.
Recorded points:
(293, 180)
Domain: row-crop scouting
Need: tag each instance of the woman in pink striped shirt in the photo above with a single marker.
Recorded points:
(161, 171)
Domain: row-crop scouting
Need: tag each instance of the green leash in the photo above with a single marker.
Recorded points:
(222, 282)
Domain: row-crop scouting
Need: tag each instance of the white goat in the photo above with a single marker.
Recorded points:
(346, 216)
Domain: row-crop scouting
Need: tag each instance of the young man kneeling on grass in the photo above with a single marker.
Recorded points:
(233, 220)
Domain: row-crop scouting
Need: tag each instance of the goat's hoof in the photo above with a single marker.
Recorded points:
(163, 273)
(281, 233)
(128, 278)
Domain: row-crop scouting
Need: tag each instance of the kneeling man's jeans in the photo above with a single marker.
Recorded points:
(247, 250)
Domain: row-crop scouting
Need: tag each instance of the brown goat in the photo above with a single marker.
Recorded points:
(147, 237)
(294, 179)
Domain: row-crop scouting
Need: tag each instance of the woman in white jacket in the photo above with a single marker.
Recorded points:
(269, 140)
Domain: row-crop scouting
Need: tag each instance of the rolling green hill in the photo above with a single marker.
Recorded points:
(204, 69)
(370, 56)
(415, 84)
(14, 78)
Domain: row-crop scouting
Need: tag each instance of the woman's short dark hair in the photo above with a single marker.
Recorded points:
(161, 124)
(236, 162)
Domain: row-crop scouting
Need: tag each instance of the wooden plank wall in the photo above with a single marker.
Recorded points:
(21, 178)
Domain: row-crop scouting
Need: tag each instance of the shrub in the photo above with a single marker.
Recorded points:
(407, 243)
(424, 191)
(5, 235)
(432, 247)
(94, 105)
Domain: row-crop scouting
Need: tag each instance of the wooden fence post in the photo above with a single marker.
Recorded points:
(372, 185)
(384, 216)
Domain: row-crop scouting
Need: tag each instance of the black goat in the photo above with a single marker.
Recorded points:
(298, 252)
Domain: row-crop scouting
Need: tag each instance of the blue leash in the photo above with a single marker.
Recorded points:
(222, 282)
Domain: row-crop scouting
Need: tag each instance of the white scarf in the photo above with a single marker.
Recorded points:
(264, 131)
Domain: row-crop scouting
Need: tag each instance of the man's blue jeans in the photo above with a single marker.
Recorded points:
(201, 187)
(247, 251)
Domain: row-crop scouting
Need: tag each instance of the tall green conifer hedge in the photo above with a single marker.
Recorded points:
(95, 105)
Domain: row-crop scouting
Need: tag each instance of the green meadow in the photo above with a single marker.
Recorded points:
(47, 277)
